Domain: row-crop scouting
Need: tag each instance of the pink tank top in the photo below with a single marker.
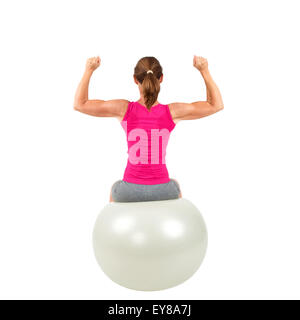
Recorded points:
(147, 134)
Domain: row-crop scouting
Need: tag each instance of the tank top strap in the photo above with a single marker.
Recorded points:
(172, 123)
(129, 108)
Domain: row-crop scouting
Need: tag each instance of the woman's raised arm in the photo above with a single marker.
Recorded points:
(98, 108)
(199, 109)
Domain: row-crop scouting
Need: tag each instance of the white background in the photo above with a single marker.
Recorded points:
(240, 167)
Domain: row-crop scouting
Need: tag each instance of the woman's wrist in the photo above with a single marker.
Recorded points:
(204, 71)
(88, 71)
(206, 75)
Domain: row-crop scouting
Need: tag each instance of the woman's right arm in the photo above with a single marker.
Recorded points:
(199, 109)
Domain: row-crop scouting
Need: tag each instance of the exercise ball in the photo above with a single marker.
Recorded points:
(150, 245)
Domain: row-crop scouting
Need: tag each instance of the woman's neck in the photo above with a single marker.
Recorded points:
(142, 102)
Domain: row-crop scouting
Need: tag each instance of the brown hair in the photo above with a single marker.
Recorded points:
(149, 81)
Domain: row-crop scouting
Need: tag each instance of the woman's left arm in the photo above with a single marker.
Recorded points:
(98, 108)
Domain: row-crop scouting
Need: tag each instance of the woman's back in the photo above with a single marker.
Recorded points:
(147, 135)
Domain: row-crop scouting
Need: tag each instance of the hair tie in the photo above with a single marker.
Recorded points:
(149, 71)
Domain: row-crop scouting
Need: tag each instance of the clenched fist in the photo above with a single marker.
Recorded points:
(200, 63)
(93, 63)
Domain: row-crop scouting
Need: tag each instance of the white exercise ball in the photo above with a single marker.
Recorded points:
(150, 245)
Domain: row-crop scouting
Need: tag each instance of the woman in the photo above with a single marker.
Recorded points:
(147, 122)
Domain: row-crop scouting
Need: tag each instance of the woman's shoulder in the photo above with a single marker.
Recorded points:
(126, 106)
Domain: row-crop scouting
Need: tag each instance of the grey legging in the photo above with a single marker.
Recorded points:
(123, 191)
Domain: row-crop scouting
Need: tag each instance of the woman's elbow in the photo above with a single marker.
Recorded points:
(78, 107)
(219, 107)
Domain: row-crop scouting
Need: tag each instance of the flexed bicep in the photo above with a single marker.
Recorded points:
(193, 110)
(104, 108)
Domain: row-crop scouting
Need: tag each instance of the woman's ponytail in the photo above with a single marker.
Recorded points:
(149, 80)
